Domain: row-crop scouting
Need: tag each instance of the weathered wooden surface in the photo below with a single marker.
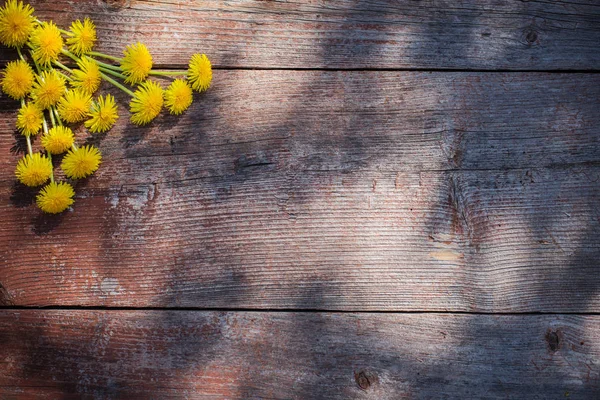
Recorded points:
(443, 191)
(490, 34)
(524, 240)
(183, 354)
(350, 120)
(324, 190)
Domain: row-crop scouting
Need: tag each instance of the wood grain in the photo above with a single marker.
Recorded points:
(169, 354)
(442, 191)
(345, 121)
(470, 241)
(442, 34)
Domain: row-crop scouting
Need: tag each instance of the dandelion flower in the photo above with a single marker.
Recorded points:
(87, 77)
(137, 63)
(30, 119)
(48, 89)
(103, 114)
(16, 23)
(58, 139)
(146, 103)
(81, 162)
(34, 169)
(178, 96)
(74, 106)
(200, 72)
(46, 43)
(55, 197)
(17, 79)
(83, 36)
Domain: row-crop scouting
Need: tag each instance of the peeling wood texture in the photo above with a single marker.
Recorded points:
(239, 355)
(436, 191)
(490, 34)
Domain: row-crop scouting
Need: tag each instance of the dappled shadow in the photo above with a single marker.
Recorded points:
(257, 189)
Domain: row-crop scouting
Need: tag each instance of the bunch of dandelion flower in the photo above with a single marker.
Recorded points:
(146, 103)
(34, 169)
(17, 79)
(30, 119)
(58, 139)
(81, 162)
(74, 106)
(46, 43)
(136, 63)
(178, 96)
(48, 88)
(199, 72)
(16, 23)
(55, 197)
(87, 77)
(48, 91)
(82, 37)
(103, 114)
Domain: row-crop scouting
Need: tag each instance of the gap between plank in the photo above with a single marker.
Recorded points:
(287, 310)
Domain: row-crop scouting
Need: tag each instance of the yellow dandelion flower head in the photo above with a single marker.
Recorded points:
(87, 77)
(146, 103)
(81, 162)
(33, 169)
(30, 119)
(103, 114)
(82, 36)
(178, 96)
(17, 79)
(55, 197)
(74, 106)
(46, 43)
(16, 23)
(137, 63)
(58, 139)
(200, 72)
(48, 89)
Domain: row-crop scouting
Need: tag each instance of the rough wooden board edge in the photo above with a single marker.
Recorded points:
(349, 34)
(238, 355)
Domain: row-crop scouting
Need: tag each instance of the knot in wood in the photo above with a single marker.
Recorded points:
(362, 380)
(553, 338)
(531, 36)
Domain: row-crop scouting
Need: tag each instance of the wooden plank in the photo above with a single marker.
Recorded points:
(520, 240)
(265, 195)
(344, 121)
(490, 34)
(238, 355)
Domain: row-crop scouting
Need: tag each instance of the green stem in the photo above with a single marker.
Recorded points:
(70, 55)
(105, 65)
(52, 174)
(29, 149)
(67, 77)
(20, 54)
(55, 111)
(113, 73)
(52, 117)
(108, 57)
(45, 125)
(37, 66)
(117, 84)
(63, 66)
(168, 73)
